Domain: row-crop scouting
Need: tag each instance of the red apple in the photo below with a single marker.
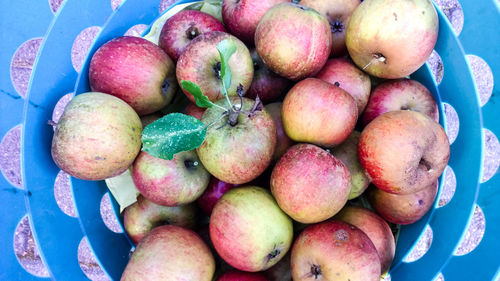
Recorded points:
(144, 215)
(195, 111)
(97, 137)
(216, 188)
(403, 151)
(310, 184)
(344, 74)
(135, 70)
(235, 275)
(249, 230)
(338, 13)
(283, 142)
(377, 230)
(170, 182)
(237, 153)
(347, 152)
(297, 50)
(403, 208)
(267, 85)
(318, 112)
(392, 39)
(170, 253)
(200, 63)
(401, 94)
(242, 16)
(179, 30)
(334, 250)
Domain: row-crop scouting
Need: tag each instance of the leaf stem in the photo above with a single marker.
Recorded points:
(224, 92)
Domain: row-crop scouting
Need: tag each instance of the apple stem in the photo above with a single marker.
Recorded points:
(376, 57)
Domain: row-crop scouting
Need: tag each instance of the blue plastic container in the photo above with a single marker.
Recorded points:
(58, 235)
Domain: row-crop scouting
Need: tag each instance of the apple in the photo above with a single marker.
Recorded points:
(97, 137)
(242, 16)
(144, 215)
(249, 230)
(403, 151)
(400, 94)
(267, 85)
(200, 64)
(180, 29)
(310, 184)
(377, 230)
(283, 142)
(343, 73)
(334, 250)
(347, 152)
(170, 182)
(338, 13)
(216, 188)
(237, 152)
(170, 253)
(195, 111)
(403, 208)
(293, 41)
(136, 71)
(318, 112)
(392, 39)
(236, 275)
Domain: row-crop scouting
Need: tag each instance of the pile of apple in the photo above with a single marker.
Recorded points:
(285, 125)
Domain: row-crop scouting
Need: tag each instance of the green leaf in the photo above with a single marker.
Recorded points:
(199, 97)
(213, 8)
(171, 134)
(226, 49)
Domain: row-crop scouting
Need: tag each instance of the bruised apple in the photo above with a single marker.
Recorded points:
(334, 250)
(403, 151)
(377, 230)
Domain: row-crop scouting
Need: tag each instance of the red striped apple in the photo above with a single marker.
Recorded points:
(400, 94)
(200, 64)
(249, 230)
(144, 215)
(310, 184)
(170, 182)
(318, 112)
(170, 253)
(403, 208)
(180, 29)
(343, 73)
(338, 13)
(392, 39)
(136, 71)
(297, 50)
(242, 16)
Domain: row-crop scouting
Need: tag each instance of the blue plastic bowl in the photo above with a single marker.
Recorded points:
(58, 235)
